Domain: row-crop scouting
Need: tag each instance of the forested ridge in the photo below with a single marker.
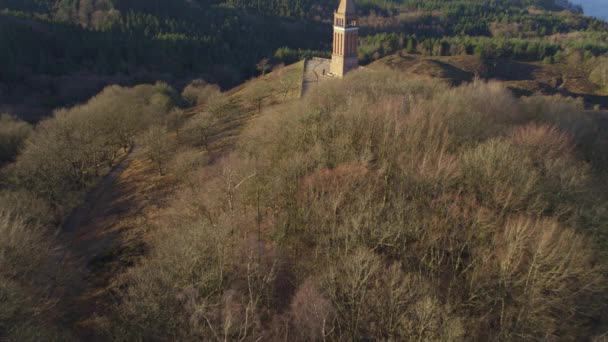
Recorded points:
(131, 42)
(123, 43)
(147, 199)
(376, 207)
(47, 44)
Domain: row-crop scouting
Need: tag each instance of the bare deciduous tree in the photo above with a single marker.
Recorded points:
(258, 95)
(263, 66)
(157, 145)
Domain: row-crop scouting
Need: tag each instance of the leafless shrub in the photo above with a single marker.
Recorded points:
(475, 112)
(564, 179)
(537, 273)
(547, 141)
(258, 96)
(376, 303)
(184, 163)
(501, 175)
(312, 314)
(599, 74)
(175, 119)
(185, 271)
(35, 274)
(199, 92)
(558, 111)
(157, 145)
(13, 134)
(69, 151)
(200, 129)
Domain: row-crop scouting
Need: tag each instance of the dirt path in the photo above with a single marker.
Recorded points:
(314, 71)
(81, 215)
(106, 234)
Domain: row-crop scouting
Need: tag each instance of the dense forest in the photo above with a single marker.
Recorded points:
(49, 44)
(164, 176)
(379, 208)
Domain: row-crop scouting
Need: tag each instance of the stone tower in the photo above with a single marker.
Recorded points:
(346, 39)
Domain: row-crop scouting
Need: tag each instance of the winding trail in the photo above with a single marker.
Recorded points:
(80, 214)
(106, 233)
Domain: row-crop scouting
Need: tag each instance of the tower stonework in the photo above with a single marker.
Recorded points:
(346, 39)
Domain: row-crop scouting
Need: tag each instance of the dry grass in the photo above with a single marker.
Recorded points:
(281, 84)
(599, 73)
(577, 79)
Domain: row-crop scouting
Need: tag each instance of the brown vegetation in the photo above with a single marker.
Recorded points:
(69, 152)
(58, 161)
(377, 207)
(573, 78)
(199, 92)
(13, 133)
(599, 73)
(36, 275)
(388, 209)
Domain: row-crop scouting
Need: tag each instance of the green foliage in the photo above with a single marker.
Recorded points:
(506, 29)
(382, 44)
(286, 55)
(223, 40)
(135, 38)
(41, 6)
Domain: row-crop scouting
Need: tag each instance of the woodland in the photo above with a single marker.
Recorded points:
(51, 45)
(186, 188)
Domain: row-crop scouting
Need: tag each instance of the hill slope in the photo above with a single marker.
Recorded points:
(411, 200)
(380, 203)
(51, 62)
(523, 78)
(373, 205)
(52, 45)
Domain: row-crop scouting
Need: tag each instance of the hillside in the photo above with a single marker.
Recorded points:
(523, 78)
(257, 214)
(61, 52)
(143, 162)
(365, 202)
(182, 174)
(50, 61)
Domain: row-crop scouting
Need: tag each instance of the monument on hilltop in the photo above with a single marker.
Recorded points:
(344, 51)
(346, 39)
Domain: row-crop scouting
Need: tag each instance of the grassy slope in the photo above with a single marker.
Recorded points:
(276, 87)
(271, 82)
(523, 78)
